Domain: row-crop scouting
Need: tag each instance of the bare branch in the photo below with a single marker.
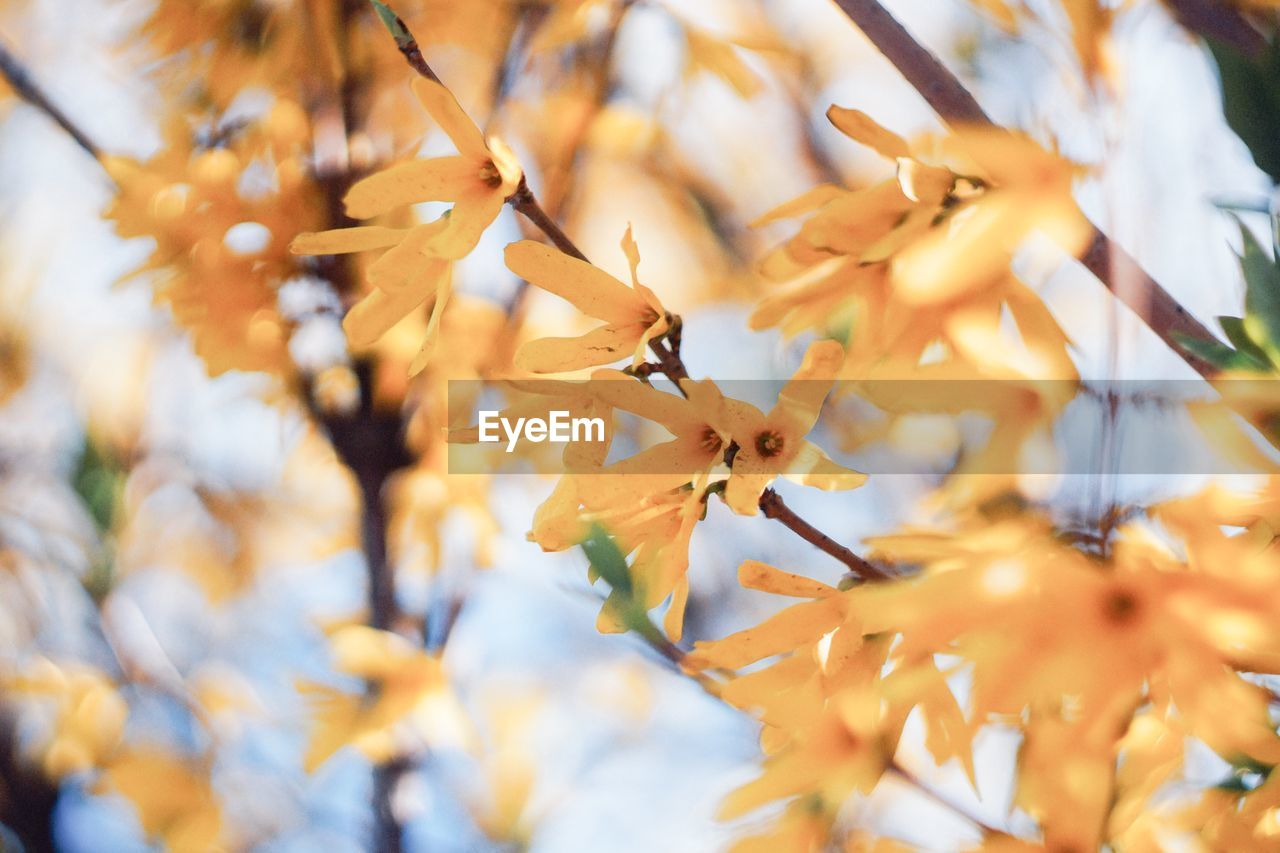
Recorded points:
(772, 505)
(20, 79)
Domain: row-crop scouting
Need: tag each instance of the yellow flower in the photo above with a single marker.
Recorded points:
(633, 315)
(174, 798)
(774, 444)
(651, 501)
(698, 423)
(404, 277)
(193, 206)
(416, 262)
(403, 679)
(846, 748)
(88, 715)
(478, 180)
(923, 258)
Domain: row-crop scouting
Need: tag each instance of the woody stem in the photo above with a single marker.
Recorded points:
(524, 202)
(948, 97)
(772, 505)
(20, 79)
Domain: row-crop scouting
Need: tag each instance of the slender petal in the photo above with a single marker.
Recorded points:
(753, 574)
(453, 120)
(812, 467)
(473, 213)
(405, 264)
(860, 127)
(800, 400)
(341, 241)
(593, 291)
(437, 179)
(428, 348)
(603, 345)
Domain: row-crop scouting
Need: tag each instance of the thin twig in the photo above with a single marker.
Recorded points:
(404, 40)
(773, 506)
(927, 790)
(948, 97)
(524, 202)
(20, 79)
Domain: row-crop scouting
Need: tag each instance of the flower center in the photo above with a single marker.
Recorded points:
(711, 441)
(1120, 607)
(769, 444)
(490, 176)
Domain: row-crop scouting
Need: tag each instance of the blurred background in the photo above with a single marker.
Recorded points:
(180, 538)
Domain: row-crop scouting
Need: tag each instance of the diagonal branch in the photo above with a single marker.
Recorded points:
(12, 69)
(772, 505)
(948, 97)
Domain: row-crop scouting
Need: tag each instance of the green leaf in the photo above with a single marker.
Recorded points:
(1219, 354)
(607, 560)
(1251, 101)
(1234, 329)
(1261, 297)
(392, 22)
(100, 484)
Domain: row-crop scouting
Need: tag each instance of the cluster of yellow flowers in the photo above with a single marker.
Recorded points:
(1107, 654)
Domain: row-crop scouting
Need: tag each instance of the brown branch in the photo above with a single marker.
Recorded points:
(524, 202)
(27, 797)
(948, 97)
(772, 505)
(20, 79)
(404, 40)
(1214, 19)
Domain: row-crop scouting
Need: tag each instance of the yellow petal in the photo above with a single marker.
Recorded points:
(343, 240)
(592, 291)
(963, 255)
(800, 401)
(504, 159)
(453, 120)
(809, 201)
(437, 179)
(747, 483)
(629, 394)
(472, 214)
(557, 355)
(753, 574)
(374, 315)
(433, 325)
(405, 264)
(812, 467)
(926, 185)
(720, 58)
(632, 251)
(860, 127)
(783, 632)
